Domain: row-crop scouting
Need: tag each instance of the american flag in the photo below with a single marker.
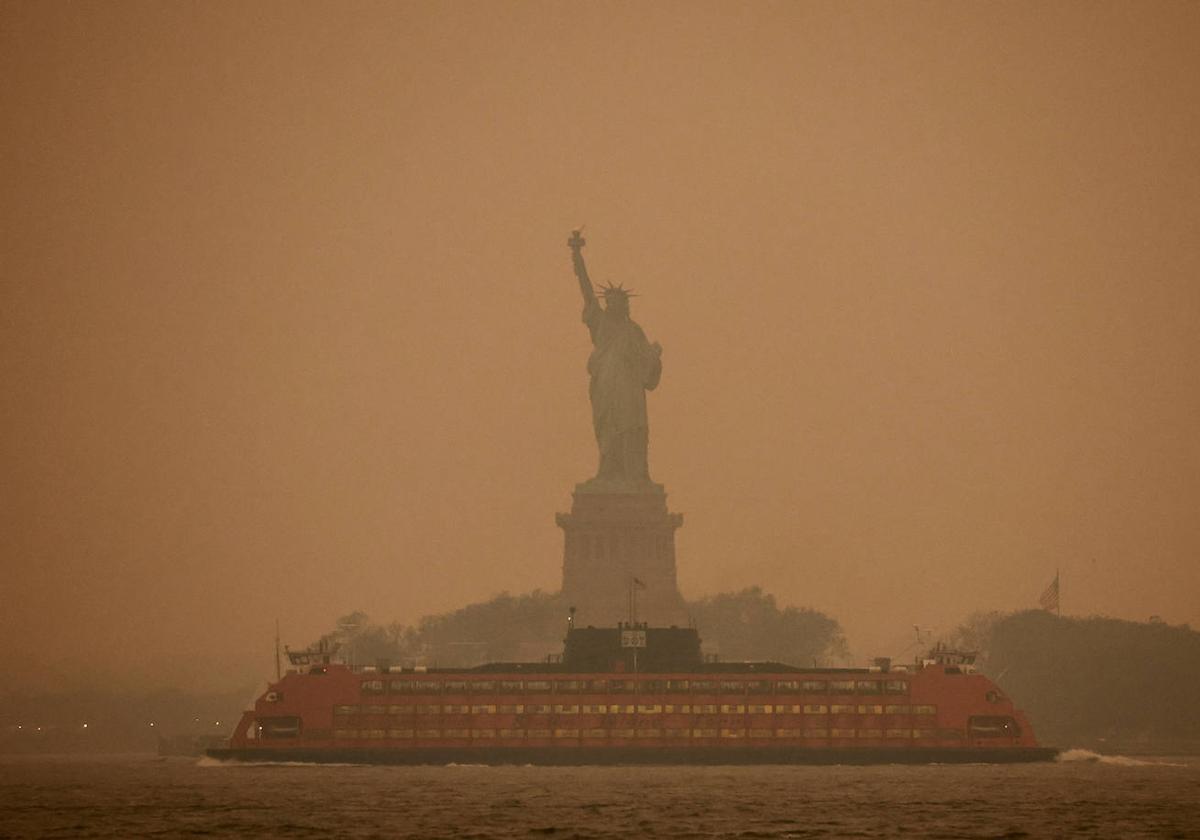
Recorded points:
(1049, 598)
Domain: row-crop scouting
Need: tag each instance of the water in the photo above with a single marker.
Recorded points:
(131, 796)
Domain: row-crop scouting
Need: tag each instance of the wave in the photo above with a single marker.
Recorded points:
(209, 761)
(1082, 755)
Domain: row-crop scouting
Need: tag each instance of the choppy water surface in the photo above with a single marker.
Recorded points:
(136, 796)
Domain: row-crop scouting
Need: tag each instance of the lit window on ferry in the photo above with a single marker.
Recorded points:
(567, 686)
(897, 733)
(675, 733)
(789, 709)
(400, 710)
(816, 710)
(510, 686)
(456, 686)
(732, 709)
(841, 686)
(566, 733)
(623, 733)
(372, 687)
(677, 685)
(652, 686)
(532, 686)
(897, 710)
(870, 710)
(788, 733)
(924, 710)
(733, 687)
(896, 686)
(649, 733)
(345, 710)
(816, 733)
(511, 710)
(759, 686)
(841, 733)
(704, 733)
(566, 710)
(595, 686)
(704, 687)
(483, 710)
(375, 710)
(512, 733)
(673, 709)
(538, 733)
(595, 710)
(287, 726)
(787, 686)
(456, 710)
(537, 709)
(760, 710)
(733, 733)
(870, 733)
(651, 709)
(867, 687)
(429, 733)
(814, 686)
(483, 687)
(619, 686)
(400, 733)
(841, 709)
(403, 686)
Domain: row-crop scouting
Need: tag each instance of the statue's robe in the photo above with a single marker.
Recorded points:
(623, 366)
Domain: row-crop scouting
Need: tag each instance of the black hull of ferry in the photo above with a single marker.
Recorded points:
(586, 756)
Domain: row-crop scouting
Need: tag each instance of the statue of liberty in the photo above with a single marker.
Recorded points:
(623, 367)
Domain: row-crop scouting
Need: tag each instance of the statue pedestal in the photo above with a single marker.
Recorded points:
(613, 534)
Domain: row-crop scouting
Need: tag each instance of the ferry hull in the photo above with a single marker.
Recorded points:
(584, 756)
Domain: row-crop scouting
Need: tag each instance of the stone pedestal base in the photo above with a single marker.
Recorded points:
(611, 537)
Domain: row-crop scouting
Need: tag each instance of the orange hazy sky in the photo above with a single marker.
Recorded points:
(288, 324)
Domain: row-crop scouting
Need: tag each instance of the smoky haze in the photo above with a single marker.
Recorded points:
(289, 326)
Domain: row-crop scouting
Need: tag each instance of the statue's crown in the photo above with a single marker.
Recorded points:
(611, 292)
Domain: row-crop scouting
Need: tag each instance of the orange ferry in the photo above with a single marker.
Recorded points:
(634, 695)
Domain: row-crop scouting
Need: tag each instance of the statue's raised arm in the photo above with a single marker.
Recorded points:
(576, 243)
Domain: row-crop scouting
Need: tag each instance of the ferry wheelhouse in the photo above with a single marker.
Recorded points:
(634, 695)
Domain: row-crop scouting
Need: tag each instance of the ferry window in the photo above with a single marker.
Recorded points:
(430, 686)
(870, 710)
(596, 686)
(618, 686)
(867, 687)
(897, 710)
(814, 686)
(705, 709)
(650, 709)
(566, 710)
(537, 685)
(992, 726)
(567, 686)
(512, 733)
(924, 733)
(649, 733)
(483, 710)
(677, 685)
(653, 686)
(676, 733)
(841, 686)
(483, 687)
(345, 710)
(816, 710)
(402, 686)
(896, 687)
(375, 710)
(595, 710)
(566, 733)
(760, 733)
(510, 686)
(456, 686)
(760, 710)
(280, 727)
(787, 686)
(870, 733)
(924, 710)
(483, 733)
(539, 733)
(457, 733)
(372, 687)
(759, 686)
(787, 709)
(595, 733)
(787, 733)
(511, 710)
(400, 733)
(704, 687)
(733, 687)
(841, 709)
(673, 709)
(400, 710)
(345, 733)
(429, 733)
(733, 709)
(897, 733)
(429, 710)
(704, 733)
(537, 709)
(376, 733)
(816, 733)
